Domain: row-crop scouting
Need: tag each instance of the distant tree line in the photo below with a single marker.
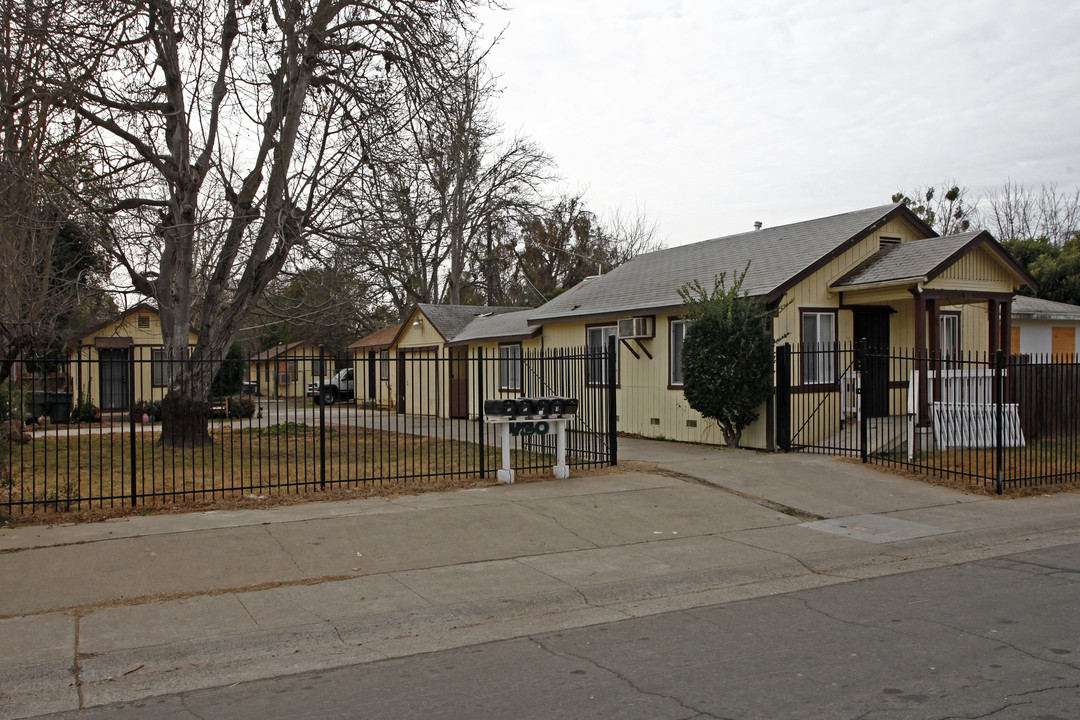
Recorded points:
(1040, 227)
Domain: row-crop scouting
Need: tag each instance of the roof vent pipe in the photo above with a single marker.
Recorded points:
(757, 225)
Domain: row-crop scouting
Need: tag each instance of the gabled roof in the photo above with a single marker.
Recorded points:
(1030, 308)
(116, 320)
(278, 350)
(507, 326)
(450, 320)
(778, 257)
(378, 340)
(905, 262)
(923, 260)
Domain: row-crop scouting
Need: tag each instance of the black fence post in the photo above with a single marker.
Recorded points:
(322, 418)
(783, 397)
(481, 423)
(860, 366)
(999, 415)
(613, 432)
(131, 423)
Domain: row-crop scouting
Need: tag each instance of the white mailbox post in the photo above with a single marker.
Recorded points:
(520, 427)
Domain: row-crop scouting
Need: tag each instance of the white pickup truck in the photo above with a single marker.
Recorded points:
(333, 389)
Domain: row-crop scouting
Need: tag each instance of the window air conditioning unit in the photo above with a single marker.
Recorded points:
(283, 379)
(636, 327)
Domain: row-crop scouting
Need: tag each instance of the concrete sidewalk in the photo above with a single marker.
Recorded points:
(142, 606)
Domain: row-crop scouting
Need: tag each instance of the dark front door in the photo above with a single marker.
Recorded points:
(872, 325)
(371, 370)
(114, 379)
(459, 382)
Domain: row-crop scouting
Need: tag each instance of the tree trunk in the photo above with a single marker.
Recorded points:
(185, 411)
(184, 421)
(732, 437)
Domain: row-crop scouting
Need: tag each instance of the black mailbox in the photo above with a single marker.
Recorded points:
(506, 407)
(526, 406)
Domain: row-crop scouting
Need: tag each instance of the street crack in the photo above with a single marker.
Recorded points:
(626, 680)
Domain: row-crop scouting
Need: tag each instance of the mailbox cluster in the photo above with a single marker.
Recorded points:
(531, 407)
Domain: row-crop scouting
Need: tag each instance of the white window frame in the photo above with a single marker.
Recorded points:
(676, 337)
(596, 339)
(510, 367)
(384, 364)
(950, 335)
(818, 347)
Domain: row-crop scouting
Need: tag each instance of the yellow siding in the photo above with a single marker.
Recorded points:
(979, 271)
(645, 405)
(275, 377)
(86, 375)
(491, 389)
(419, 332)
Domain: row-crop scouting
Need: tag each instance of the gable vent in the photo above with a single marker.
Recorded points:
(888, 241)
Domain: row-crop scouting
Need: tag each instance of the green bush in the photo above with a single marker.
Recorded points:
(727, 357)
(83, 411)
(241, 406)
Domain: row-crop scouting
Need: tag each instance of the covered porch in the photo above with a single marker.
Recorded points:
(940, 299)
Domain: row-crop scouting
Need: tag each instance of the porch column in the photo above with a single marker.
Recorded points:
(934, 330)
(920, 354)
(994, 320)
(1005, 339)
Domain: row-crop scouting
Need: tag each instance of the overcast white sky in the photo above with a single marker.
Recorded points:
(711, 115)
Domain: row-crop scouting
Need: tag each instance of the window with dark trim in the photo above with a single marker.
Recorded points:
(596, 343)
(818, 329)
(163, 370)
(160, 372)
(510, 367)
(676, 335)
(384, 364)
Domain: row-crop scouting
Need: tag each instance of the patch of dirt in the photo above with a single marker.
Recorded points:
(967, 485)
(262, 502)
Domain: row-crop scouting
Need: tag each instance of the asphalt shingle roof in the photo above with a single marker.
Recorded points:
(277, 350)
(906, 261)
(450, 320)
(381, 338)
(1037, 308)
(502, 326)
(652, 281)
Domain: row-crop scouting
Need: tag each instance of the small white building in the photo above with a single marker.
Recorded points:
(1045, 327)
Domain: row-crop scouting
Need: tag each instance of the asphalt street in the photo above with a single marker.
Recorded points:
(998, 637)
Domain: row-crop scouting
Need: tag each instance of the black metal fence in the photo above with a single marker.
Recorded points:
(1005, 421)
(286, 423)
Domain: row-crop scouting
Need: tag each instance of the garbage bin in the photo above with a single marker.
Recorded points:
(59, 406)
(35, 405)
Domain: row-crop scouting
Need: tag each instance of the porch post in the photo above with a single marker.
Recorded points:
(1005, 340)
(994, 321)
(934, 330)
(920, 354)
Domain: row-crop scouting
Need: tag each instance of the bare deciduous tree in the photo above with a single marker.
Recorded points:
(46, 264)
(1017, 212)
(453, 180)
(230, 134)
